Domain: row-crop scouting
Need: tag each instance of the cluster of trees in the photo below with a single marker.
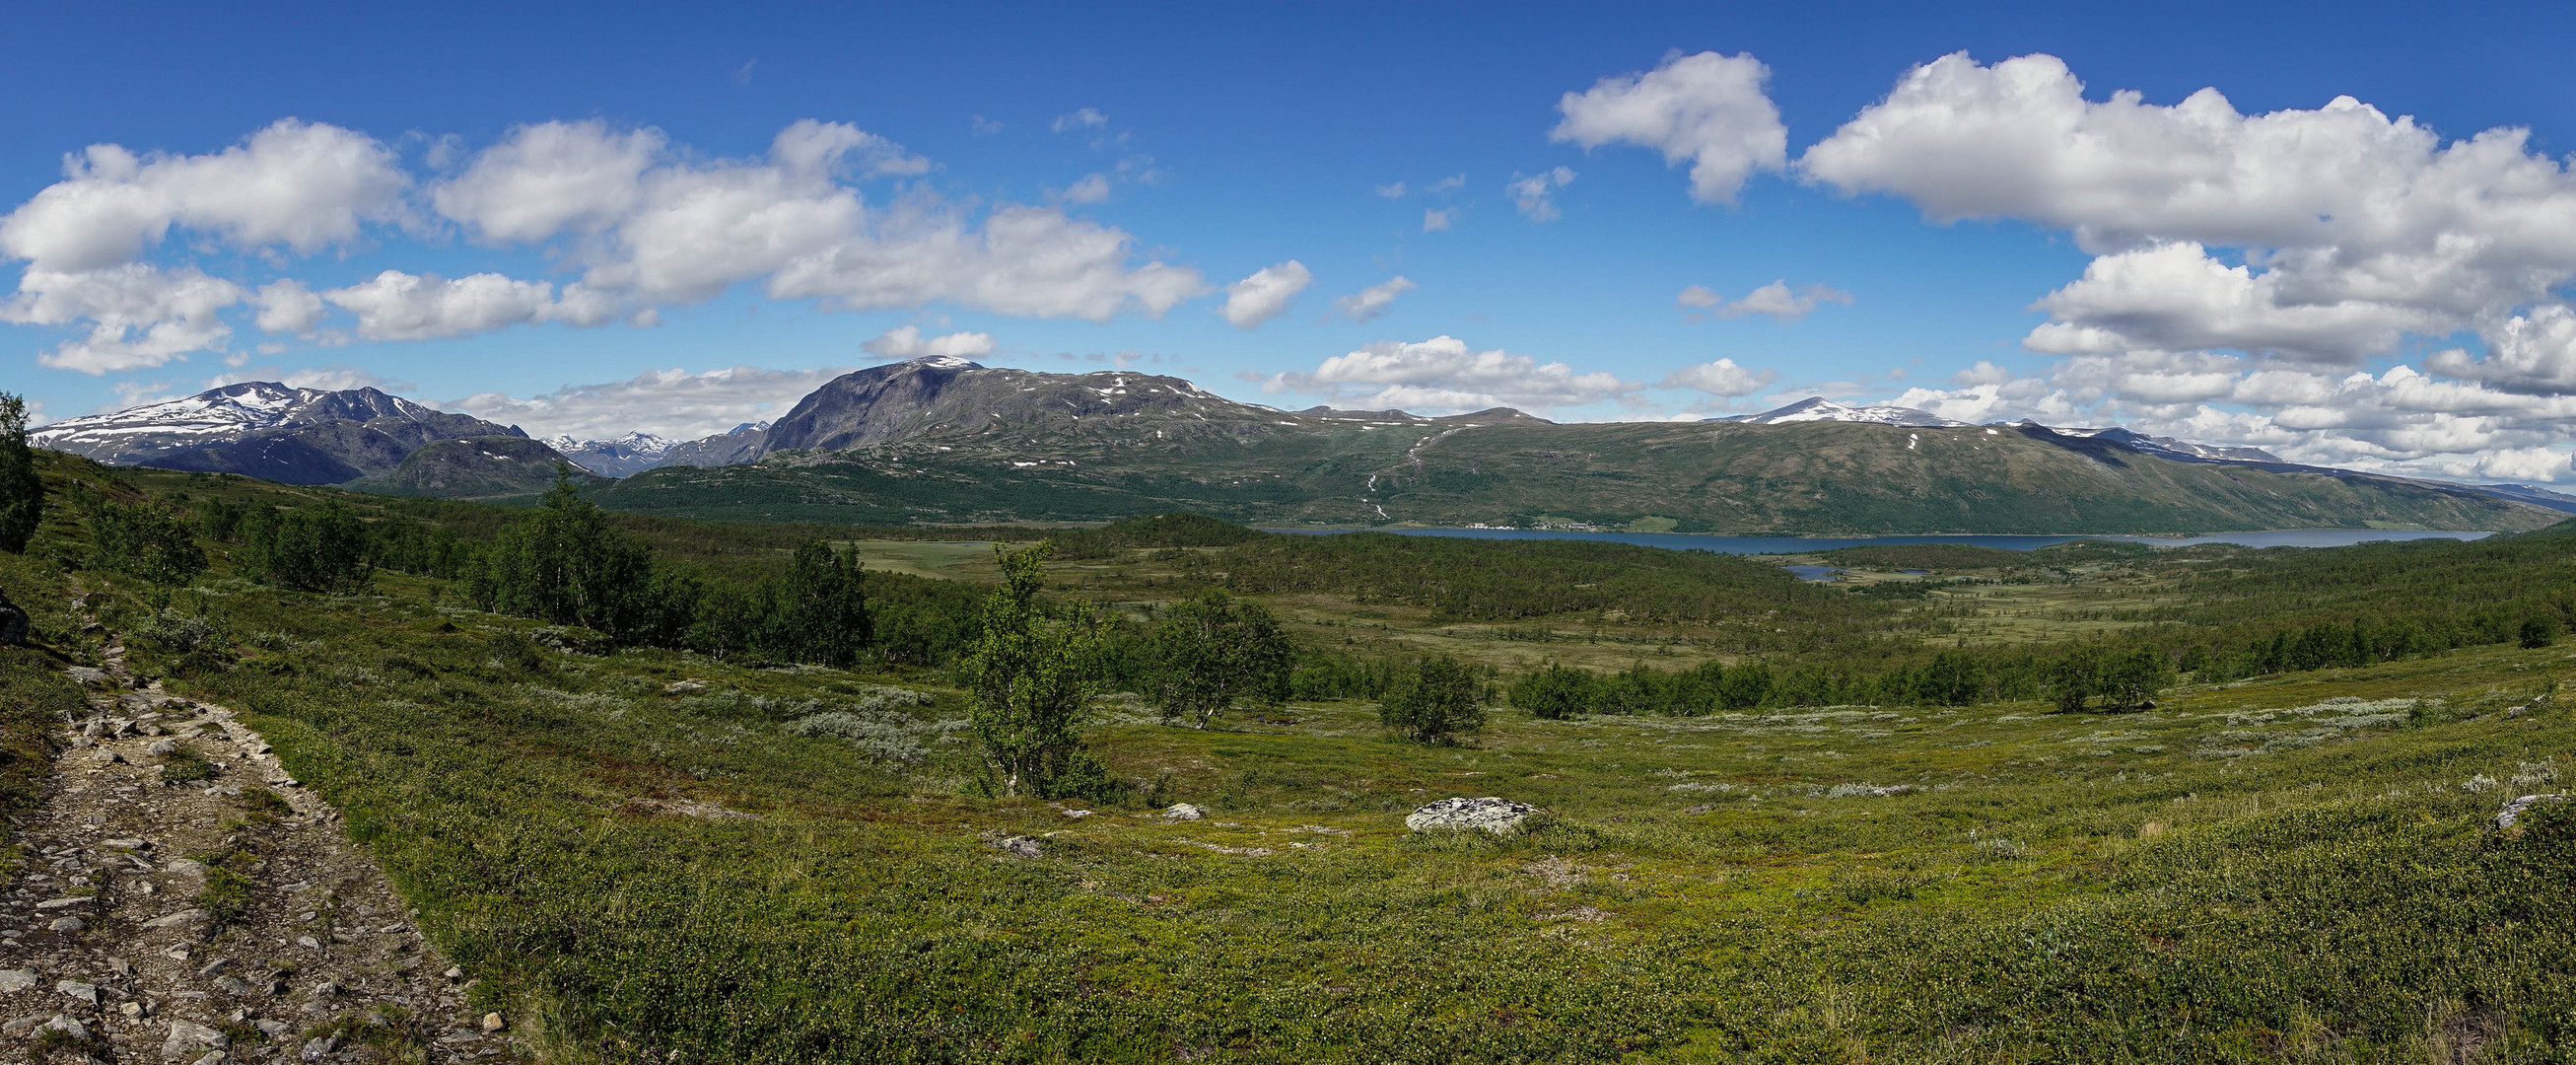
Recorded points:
(562, 563)
(22, 494)
(138, 539)
(2082, 676)
(1506, 580)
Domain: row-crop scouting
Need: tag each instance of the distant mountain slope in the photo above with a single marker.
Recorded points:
(492, 468)
(2524, 493)
(631, 453)
(267, 430)
(940, 441)
(742, 443)
(1820, 409)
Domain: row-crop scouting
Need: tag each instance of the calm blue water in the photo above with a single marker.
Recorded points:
(1799, 545)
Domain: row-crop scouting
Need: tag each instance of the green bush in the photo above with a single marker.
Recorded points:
(1436, 701)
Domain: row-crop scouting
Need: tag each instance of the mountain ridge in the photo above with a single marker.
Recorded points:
(944, 440)
(268, 430)
(940, 441)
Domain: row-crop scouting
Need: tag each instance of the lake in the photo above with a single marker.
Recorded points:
(1799, 545)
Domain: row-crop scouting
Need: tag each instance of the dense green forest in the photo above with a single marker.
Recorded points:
(732, 589)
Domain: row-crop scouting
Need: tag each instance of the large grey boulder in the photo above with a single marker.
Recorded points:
(1488, 814)
(2512, 811)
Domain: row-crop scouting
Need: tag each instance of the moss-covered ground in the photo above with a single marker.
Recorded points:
(648, 856)
(2292, 869)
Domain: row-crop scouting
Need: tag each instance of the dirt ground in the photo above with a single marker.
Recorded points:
(180, 898)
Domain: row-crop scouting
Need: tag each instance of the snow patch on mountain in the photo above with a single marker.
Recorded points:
(1820, 409)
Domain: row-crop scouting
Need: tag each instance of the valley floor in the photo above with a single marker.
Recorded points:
(637, 859)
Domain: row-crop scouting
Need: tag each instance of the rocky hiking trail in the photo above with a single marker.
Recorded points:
(180, 898)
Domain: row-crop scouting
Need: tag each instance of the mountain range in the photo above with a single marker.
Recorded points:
(945, 440)
(268, 430)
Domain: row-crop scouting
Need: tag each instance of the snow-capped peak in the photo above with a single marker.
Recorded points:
(634, 443)
(1820, 409)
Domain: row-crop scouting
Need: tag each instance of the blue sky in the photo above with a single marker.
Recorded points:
(594, 219)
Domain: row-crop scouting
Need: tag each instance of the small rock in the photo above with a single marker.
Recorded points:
(17, 979)
(162, 746)
(78, 1032)
(683, 687)
(1077, 813)
(213, 967)
(64, 903)
(2514, 711)
(24, 1024)
(453, 973)
(214, 1057)
(319, 1047)
(1181, 811)
(189, 916)
(273, 1028)
(308, 943)
(1488, 814)
(69, 924)
(78, 991)
(187, 1036)
(492, 1022)
(132, 1010)
(325, 989)
(232, 985)
(1023, 846)
(2512, 811)
(121, 966)
(185, 867)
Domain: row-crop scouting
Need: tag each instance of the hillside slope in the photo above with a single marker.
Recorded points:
(488, 468)
(946, 441)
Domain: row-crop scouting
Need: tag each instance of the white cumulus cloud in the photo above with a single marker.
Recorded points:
(138, 315)
(1721, 378)
(1442, 373)
(1262, 296)
(1093, 188)
(395, 305)
(287, 308)
(2355, 228)
(1372, 301)
(301, 186)
(2522, 464)
(906, 342)
(1707, 108)
(1435, 219)
(1774, 300)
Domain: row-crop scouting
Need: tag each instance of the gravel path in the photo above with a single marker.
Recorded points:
(225, 919)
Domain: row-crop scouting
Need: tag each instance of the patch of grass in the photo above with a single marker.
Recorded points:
(186, 765)
(265, 805)
(226, 895)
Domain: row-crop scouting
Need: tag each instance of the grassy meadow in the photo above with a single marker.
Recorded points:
(656, 856)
